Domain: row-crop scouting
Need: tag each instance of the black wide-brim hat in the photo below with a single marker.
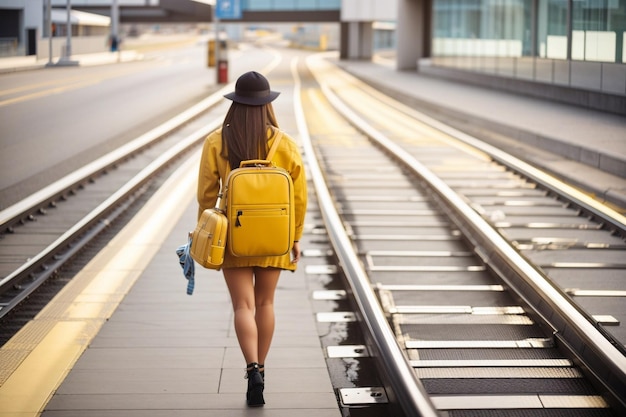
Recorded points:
(252, 89)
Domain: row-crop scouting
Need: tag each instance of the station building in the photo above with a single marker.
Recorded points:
(565, 50)
(568, 50)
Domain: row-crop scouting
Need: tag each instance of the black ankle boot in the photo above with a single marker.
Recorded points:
(254, 396)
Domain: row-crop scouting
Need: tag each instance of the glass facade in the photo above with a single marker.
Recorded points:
(286, 5)
(579, 43)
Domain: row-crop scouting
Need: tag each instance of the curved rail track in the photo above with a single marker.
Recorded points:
(473, 256)
(45, 230)
(484, 286)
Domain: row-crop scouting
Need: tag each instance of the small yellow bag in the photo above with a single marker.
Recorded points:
(260, 208)
(209, 239)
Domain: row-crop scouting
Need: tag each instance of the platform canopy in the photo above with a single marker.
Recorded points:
(59, 16)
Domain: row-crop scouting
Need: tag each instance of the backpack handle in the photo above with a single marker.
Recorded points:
(256, 163)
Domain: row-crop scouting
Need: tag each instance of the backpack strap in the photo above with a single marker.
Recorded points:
(270, 154)
(268, 159)
(220, 203)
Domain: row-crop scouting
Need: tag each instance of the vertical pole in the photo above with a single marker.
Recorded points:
(534, 35)
(115, 20)
(570, 37)
(68, 46)
(534, 31)
(49, 29)
(115, 17)
(570, 28)
(217, 49)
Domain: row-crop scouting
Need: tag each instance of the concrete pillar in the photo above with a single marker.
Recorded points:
(357, 40)
(414, 32)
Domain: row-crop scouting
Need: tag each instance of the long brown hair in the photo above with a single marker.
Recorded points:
(245, 132)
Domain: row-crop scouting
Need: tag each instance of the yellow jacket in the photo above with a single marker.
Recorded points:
(214, 168)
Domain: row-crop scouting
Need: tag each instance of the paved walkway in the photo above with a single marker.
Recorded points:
(27, 63)
(157, 351)
(163, 352)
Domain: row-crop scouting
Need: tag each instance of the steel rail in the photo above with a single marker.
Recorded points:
(92, 219)
(18, 211)
(51, 258)
(570, 325)
(406, 388)
(615, 219)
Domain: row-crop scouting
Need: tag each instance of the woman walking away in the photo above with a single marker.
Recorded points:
(248, 131)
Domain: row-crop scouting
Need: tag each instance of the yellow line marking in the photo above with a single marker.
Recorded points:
(48, 92)
(104, 282)
(40, 85)
(30, 385)
(66, 84)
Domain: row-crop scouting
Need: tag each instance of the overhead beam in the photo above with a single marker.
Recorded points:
(289, 16)
(179, 11)
(168, 11)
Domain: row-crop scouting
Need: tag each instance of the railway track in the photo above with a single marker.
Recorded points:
(424, 231)
(45, 230)
(473, 258)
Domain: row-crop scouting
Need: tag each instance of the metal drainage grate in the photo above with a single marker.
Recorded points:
(329, 295)
(336, 317)
(321, 269)
(316, 253)
(369, 395)
(347, 351)
(606, 320)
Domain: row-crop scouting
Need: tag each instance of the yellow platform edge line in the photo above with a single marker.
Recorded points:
(30, 387)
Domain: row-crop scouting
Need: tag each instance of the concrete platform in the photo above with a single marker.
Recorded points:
(163, 352)
(27, 63)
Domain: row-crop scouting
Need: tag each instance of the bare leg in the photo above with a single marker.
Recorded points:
(264, 290)
(252, 294)
(240, 284)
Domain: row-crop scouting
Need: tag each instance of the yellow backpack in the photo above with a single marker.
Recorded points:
(260, 208)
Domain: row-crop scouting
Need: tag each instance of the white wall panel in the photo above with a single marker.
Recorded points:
(33, 14)
(13, 4)
(58, 3)
(368, 10)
